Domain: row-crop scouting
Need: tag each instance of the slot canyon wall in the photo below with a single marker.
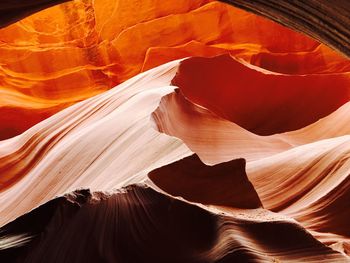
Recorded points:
(174, 131)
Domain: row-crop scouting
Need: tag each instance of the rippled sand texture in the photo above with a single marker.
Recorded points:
(78, 49)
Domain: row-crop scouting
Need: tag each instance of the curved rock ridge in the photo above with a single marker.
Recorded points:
(303, 174)
(276, 98)
(259, 101)
(309, 183)
(218, 140)
(101, 143)
(137, 223)
(111, 140)
(224, 184)
(75, 50)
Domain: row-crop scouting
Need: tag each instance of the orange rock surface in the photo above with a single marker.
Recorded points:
(110, 141)
(260, 101)
(78, 49)
(72, 88)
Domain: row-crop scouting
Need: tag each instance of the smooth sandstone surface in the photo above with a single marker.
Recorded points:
(242, 149)
(113, 139)
(75, 50)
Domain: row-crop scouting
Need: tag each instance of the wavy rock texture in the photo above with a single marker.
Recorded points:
(216, 139)
(276, 98)
(315, 187)
(302, 174)
(138, 223)
(101, 143)
(122, 124)
(76, 50)
(261, 102)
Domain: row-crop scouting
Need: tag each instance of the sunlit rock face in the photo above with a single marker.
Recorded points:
(188, 131)
(78, 49)
(119, 137)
